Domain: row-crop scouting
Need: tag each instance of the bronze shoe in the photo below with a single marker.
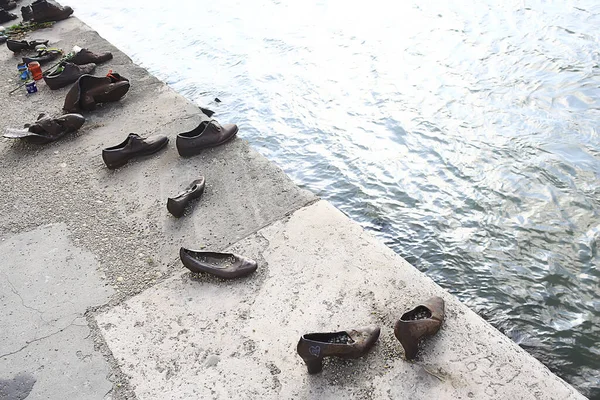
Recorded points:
(84, 56)
(69, 74)
(47, 129)
(19, 45)
(47, 11)
(91, 90)
(354, 343)
(420, 322)
(134, 146)
(43, 56)
(207, 134)
(6, 16)
(8, 4)
(223, 265)
(176, 205)
(27, 13)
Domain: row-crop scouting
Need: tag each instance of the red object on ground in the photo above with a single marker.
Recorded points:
(35, 69)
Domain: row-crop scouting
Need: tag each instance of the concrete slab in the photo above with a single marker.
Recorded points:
(46, 286)
(61, 366)
(198, 337)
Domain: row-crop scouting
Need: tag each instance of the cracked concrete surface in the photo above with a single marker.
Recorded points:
(64, 366)
(46, 285)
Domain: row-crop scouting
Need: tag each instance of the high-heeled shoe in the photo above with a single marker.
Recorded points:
(354, 343)
(176, 205)
(420, 322)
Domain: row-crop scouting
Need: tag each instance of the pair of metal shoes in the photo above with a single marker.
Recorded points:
(415, 325)
(206, 135)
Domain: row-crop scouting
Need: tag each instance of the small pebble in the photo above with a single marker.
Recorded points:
(212, 361)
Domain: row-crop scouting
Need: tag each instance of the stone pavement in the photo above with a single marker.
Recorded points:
(197, 337)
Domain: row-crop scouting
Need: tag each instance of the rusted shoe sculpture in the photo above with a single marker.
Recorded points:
(8, 4)
(45, 11)
(27, 13)
(417, 324)
(84, 56)
(223, 265)
(354, 343)
(19, 45)
(67, 74)
(91, 90)
(176, 205)
(206, 134)
(6, 16)
(132, 147)
(44, 56)
(47, 129)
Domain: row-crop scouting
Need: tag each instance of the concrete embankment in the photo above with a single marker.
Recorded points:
(96, 305)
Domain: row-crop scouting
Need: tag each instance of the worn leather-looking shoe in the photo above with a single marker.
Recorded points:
(354, 343)
(47, 129)
(8, 4)
(48, 11)
(27, 13)
(43, 56)
(176, 205)
(19, 45)
(69, 74)
(207, 134)
(134, 146)
(223, 265)
(84, 56)
(6, 16)
(420, 322)
(91, 90)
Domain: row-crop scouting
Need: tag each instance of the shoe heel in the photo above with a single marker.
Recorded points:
(314, 365)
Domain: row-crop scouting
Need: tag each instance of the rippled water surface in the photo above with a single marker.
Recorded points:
(464, 133)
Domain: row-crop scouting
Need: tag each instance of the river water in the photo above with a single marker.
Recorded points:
(465, 134)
